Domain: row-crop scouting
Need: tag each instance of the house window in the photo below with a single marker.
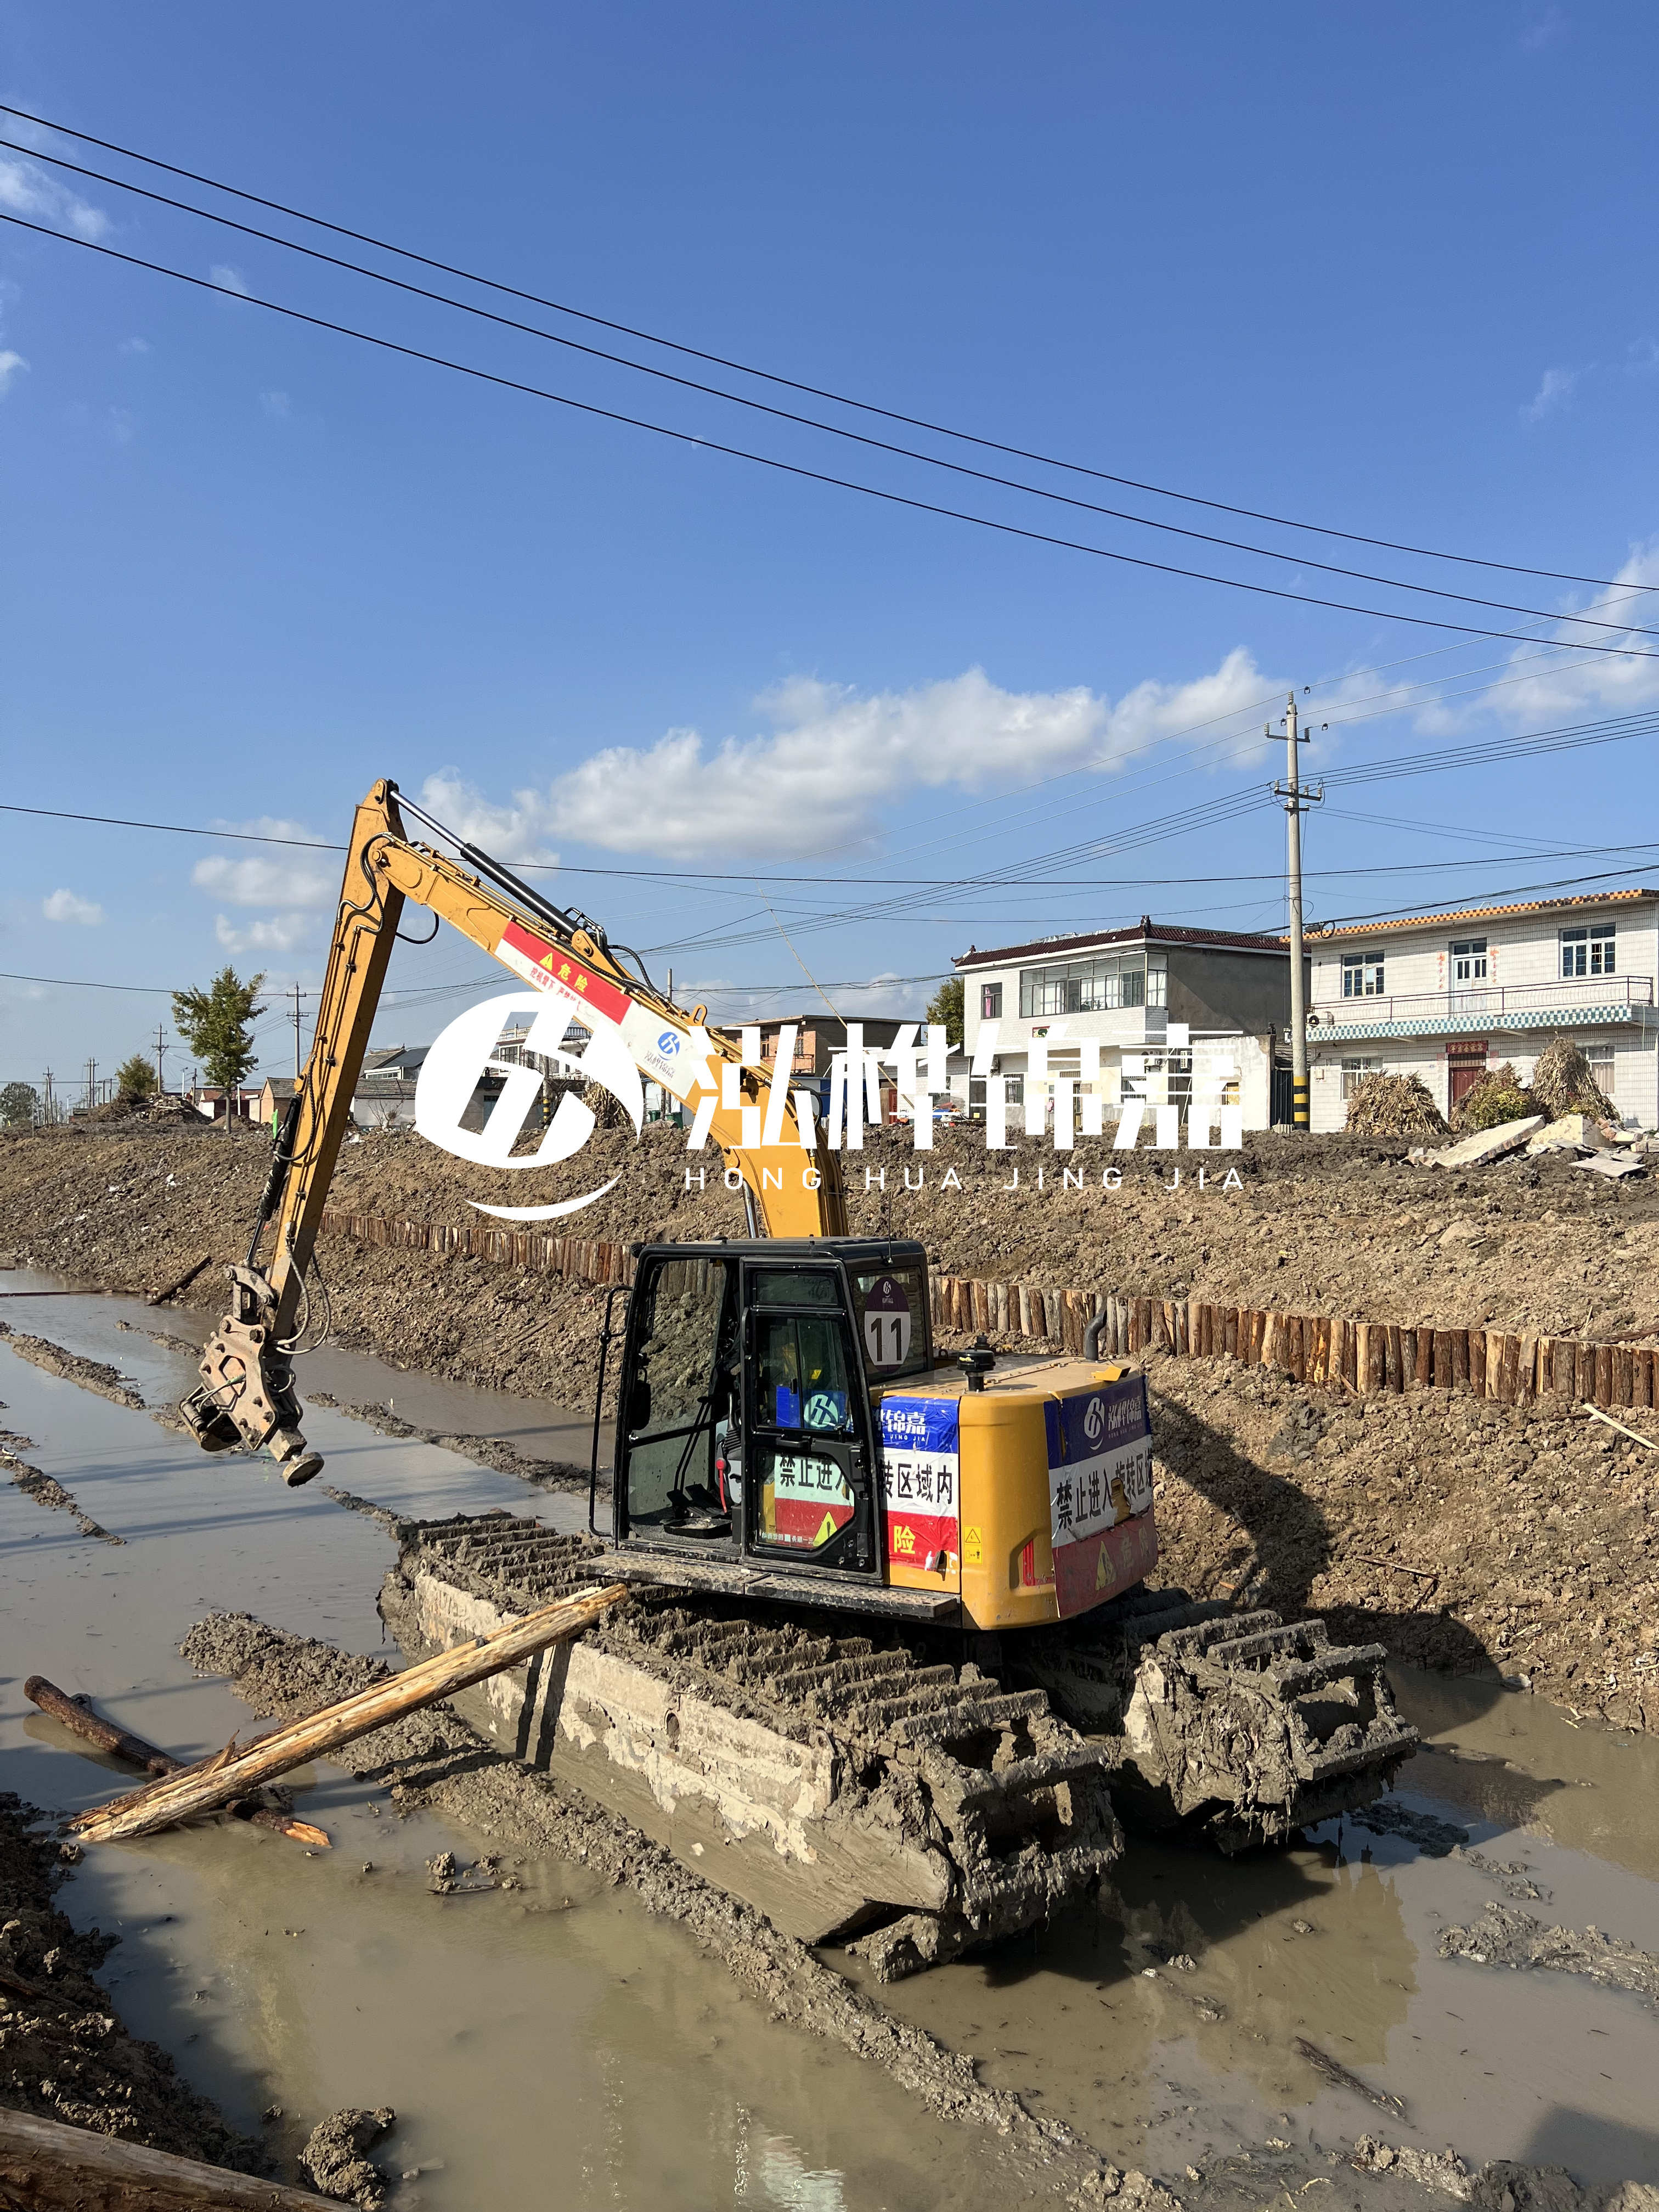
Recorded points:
(1158, 980)
(1589, 951)
(1090, 987)
(990, 1002)
(1362, 975)
(1604, 1063)
(1468, 961)
(1354, 1072)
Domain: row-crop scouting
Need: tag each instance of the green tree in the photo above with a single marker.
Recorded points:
(19, 1105)
(218, 1024)
(947, 1005)
(135, 1078)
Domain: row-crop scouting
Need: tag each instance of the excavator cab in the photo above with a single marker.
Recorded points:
(746, 1415)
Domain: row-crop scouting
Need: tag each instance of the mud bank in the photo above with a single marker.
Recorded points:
(63, 2054)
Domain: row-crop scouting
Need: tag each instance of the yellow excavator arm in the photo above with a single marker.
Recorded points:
(767, 1132)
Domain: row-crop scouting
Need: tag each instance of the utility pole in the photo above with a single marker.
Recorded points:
(160, 1031)
(92, 1084)
(46, 1079)
(296, 1033)
(1297, 803)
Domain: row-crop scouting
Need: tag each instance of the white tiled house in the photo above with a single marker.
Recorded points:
(1150, 992)
(1445, 996)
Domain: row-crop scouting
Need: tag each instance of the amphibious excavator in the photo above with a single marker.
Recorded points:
(891, 1668)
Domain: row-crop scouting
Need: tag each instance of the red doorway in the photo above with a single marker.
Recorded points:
(1466, 1065)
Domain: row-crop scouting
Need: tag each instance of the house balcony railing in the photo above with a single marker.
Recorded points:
(1506, 1006)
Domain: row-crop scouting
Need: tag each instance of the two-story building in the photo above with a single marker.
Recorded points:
(1445, 996)
(1126, 988)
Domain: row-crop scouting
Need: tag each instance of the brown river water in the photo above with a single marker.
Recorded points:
(558, 2044)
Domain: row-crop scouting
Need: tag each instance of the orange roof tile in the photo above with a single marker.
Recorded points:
(1368, 929)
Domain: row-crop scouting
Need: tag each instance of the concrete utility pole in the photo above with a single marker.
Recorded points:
(296, 1033)
(92, 1084)
(161, 1030)
(1297, 803)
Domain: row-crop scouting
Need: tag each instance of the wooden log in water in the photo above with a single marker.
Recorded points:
(81, 1720)
(234, 1773)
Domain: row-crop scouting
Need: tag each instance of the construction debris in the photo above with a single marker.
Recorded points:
(1569, 1133)
(1486, 1143)
(235, 1773)
(1393, 1106)
(77, 1715)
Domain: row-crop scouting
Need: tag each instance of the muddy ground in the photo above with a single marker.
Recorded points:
(64, 2055)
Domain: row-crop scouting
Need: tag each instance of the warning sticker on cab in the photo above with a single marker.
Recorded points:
(920, 1480)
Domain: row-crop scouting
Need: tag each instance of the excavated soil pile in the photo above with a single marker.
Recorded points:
(64, 2055)
(1465, 1535)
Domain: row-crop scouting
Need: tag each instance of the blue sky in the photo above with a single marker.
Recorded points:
(1389, 270)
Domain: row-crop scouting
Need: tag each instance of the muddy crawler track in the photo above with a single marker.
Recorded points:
(1007, 1805)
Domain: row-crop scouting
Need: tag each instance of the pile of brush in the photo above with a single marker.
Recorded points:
(1499, 1096)
(1564, 1082)
(1392, 1106)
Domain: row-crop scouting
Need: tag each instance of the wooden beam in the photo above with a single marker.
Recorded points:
(234, 1773)
(44, 2165)
(82, 1720)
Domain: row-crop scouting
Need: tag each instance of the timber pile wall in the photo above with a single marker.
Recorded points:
(1365, 1356)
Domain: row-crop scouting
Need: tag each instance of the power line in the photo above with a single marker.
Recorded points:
(798, 469)
(1294, 559)
(721, 360)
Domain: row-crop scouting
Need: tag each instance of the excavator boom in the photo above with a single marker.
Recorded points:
(791, 1179)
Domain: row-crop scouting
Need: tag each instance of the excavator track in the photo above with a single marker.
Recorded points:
(922, 1809)
(1242, 1726)
(874, 1787)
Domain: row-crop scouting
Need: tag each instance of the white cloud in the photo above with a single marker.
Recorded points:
(275, 405)
(832, 760)
(1552, 393)
(134, 346)
(260, 882)
(277, 932)
(230, 280)
(10, 363)
(66, 906)
(120, 425)
(27, 189)
(1543, 31)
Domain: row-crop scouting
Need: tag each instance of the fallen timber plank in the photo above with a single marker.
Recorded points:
(60, 2169)
(82, 1720)
(234, 1773)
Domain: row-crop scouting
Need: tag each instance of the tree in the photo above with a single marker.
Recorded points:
(135, 1078)
(19, 1105)
(946, 1006)
(217, 1025)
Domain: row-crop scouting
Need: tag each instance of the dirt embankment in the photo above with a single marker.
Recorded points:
(1331, 1224)
(1468, 1536)
(63, 2054)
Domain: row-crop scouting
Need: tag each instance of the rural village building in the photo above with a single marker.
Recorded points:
(1445, 996)
(1129, 989)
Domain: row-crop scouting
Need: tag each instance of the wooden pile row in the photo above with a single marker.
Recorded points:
(584, 1258)
(1365, 1356)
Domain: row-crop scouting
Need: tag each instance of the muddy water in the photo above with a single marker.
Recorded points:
(554, 2044)
(468, 2012)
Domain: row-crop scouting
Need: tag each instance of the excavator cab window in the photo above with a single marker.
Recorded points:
(806, 1461)
(677, 1398)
